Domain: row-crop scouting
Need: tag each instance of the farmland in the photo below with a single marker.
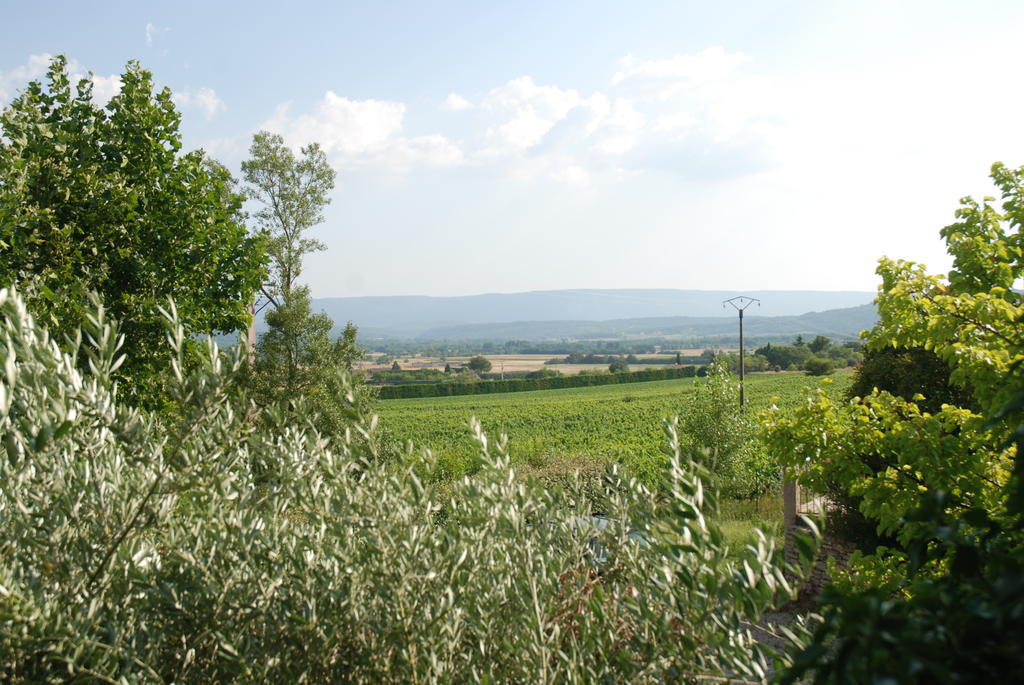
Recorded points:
(572, 426)
(518, 363)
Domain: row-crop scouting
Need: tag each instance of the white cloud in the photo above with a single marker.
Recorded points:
(573, 175)
(456, 103)
(35, 68)
(675, 122)
(359, 133)
(105, 87)
(705, 117)
(204, 99)
(17, 78)
(534, 110)
(402, 154)
(343, 126)
(687, 71)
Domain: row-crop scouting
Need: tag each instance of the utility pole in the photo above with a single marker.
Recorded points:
(740, 303)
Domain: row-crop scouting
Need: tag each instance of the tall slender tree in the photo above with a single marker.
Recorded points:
(295, 356)
(294, 192)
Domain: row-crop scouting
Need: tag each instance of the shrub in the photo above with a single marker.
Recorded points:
(220, 547)
(818, 366)
(908, 373)
(619, 366)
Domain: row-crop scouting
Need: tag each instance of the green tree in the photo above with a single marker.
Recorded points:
(915, 374)
(945, 486)
(479, 363)
(294, 192)
(102, 199)
(295, 356)
(820, 344)
(784, 356)
(619, 366)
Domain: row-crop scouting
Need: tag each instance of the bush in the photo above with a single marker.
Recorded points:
(216, 546)
(818, 366)
(944, 603)
(619, 366)
(908, 373)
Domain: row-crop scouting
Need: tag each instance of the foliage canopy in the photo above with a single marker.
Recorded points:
(294, 192)
(101, 198)
(944, 601)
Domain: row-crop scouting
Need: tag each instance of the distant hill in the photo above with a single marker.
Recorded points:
(566, 313)
(836, 323)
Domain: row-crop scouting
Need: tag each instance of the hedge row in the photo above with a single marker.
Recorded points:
(394, 392)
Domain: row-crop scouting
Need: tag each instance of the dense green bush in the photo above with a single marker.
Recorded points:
(619, 366)
(782, 357)
(915, 374)
(209, 545)
(819, 366)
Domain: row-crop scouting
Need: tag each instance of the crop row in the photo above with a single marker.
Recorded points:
(620, 423)
(390, 392)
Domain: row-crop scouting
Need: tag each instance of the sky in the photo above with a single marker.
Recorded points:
(486, 147)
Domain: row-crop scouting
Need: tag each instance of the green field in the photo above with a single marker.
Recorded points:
(621, 423)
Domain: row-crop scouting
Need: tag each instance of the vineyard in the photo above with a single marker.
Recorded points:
(616, 423)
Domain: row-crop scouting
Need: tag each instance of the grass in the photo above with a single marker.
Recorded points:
(603, 423)
(554, 433)
(739, 519)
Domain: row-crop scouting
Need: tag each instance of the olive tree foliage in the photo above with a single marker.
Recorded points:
(944, 601)
(219, 547)
(102, 198)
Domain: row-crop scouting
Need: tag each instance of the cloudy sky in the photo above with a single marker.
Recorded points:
(505, 147)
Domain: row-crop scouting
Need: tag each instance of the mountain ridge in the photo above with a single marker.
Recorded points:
(414, 316)
(841, 324)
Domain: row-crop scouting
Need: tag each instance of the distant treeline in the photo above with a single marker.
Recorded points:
(462, 348)
(592, 358)
(457, 374)
(635, 346)
(394, 392)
